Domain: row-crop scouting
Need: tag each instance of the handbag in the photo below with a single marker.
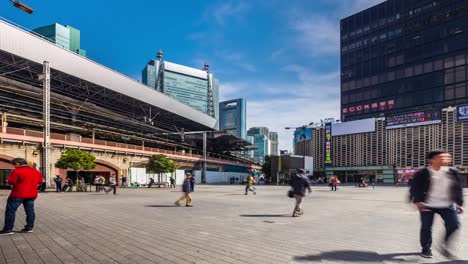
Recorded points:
(291, 193)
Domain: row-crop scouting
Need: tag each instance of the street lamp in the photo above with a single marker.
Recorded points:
(25, 8)
(303, 128)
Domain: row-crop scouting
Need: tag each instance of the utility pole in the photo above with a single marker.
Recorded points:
(203, 176)
(46, 116)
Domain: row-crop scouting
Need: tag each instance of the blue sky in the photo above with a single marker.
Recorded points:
(282, 56)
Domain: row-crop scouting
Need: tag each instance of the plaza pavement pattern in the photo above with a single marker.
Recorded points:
(352, 225)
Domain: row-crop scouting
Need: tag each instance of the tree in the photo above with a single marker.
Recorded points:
(76, 160)
(266, 167)
(160, 164)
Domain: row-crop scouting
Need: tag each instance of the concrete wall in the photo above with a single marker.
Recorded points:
(218, 177)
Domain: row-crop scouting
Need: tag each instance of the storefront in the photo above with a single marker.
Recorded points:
(357, 174)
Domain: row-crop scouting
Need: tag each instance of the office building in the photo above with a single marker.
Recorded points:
(266, 142)
(402, 56)
(196, 88)
(66, 37)
(273, 137)
(232, 117)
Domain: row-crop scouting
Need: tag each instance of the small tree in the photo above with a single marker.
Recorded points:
(76, 160)
(160, 164)
(266, 167)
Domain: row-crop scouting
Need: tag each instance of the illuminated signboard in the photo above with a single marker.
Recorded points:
(328, 144)
(302, 134)
(426, 117)
(462, 113)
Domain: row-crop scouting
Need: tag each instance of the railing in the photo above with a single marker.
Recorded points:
(127, 147)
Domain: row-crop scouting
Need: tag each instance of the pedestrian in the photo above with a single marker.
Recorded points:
(24, 181)
(437, 189)
(58, 183)
(68, 185)
(172, 180)
(112, 184)
(299, 183)
(249, 185)
(151, 182)
(192, 183)
(187, 189)
(97, 183)
(124, 182)
(334, 182)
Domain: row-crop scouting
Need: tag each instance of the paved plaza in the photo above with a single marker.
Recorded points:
(224, 226)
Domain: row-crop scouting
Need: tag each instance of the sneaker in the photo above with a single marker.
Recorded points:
(189, 205)
(26, 230)
(246, 194)
(6, 232)
(444, 251)
(426, 253)
(295, 214)
(177, 204)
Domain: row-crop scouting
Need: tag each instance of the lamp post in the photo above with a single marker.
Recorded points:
(22, 6)
(303, 128)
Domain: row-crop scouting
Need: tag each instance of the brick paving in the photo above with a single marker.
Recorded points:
(143, 226)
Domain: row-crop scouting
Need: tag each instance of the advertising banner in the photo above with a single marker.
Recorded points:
(426, 117)
(302, 134)
(462, 113)
(328, 144)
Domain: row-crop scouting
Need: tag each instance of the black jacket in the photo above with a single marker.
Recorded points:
(422, 182)
(299, 184)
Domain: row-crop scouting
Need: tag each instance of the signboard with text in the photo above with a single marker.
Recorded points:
(426, 117)
(328, 145)
(462, 113)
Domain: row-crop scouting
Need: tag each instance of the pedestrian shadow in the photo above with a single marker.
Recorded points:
(267, 215)
(235, 194)
(161, 205)
(357, 256)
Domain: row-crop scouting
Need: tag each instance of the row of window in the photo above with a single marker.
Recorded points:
(371, 40)
(405, 72)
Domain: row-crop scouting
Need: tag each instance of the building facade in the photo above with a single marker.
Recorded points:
(66, 37)
(196, 88)
(273, 137)
(261, 139)
(385, 153)
(232, 117)
(402, 56)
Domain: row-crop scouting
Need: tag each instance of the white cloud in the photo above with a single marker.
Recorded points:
(229, 9)
(236, 59)
(318, 35)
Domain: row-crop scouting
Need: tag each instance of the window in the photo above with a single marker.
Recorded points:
(427, 67)
(409, 71)
(438, 65)
(449, 92)
(449, 76)
(418, 69)
(448, 63)
(460, 60)
(460, 74)
(460, 91)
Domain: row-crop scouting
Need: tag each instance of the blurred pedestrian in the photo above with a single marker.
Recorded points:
(151, 182)
(112, 184)
(58, 183)
(249, 185)
(172, 180)
(187, 189)
(299, 183)
(437, 189)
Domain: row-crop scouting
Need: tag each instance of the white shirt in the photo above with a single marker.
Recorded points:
(439, 191)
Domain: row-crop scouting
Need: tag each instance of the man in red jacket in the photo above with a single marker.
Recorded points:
(24, 181)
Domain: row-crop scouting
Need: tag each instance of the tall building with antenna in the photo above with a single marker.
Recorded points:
(194, 87)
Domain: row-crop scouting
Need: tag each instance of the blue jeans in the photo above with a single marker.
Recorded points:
(449, 215)
(10, 212)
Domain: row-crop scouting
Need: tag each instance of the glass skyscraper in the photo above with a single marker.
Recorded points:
(404, 56)
(66, 37)
(232, 117)
(196, 88)
(266, 142)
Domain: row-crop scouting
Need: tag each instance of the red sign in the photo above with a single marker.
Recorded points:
(359, 108)
(345, 110)
(391, 104)
(375, 105)
(367, 107)
(383, 106)
(352, 109)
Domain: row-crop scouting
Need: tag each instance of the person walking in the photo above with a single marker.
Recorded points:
(437, 189)
(192, 183)
(249, 185)
(58, 183)
(187, 189)
(299, 183)
(334, 182)
(172, 180)
(24, 181)
(151, 182)
(68, 185)
(97, 183)
(124, 182)
(112, 184)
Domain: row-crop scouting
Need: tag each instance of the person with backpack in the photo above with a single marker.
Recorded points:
(186, 189)
(299, 184)
(438, 189)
